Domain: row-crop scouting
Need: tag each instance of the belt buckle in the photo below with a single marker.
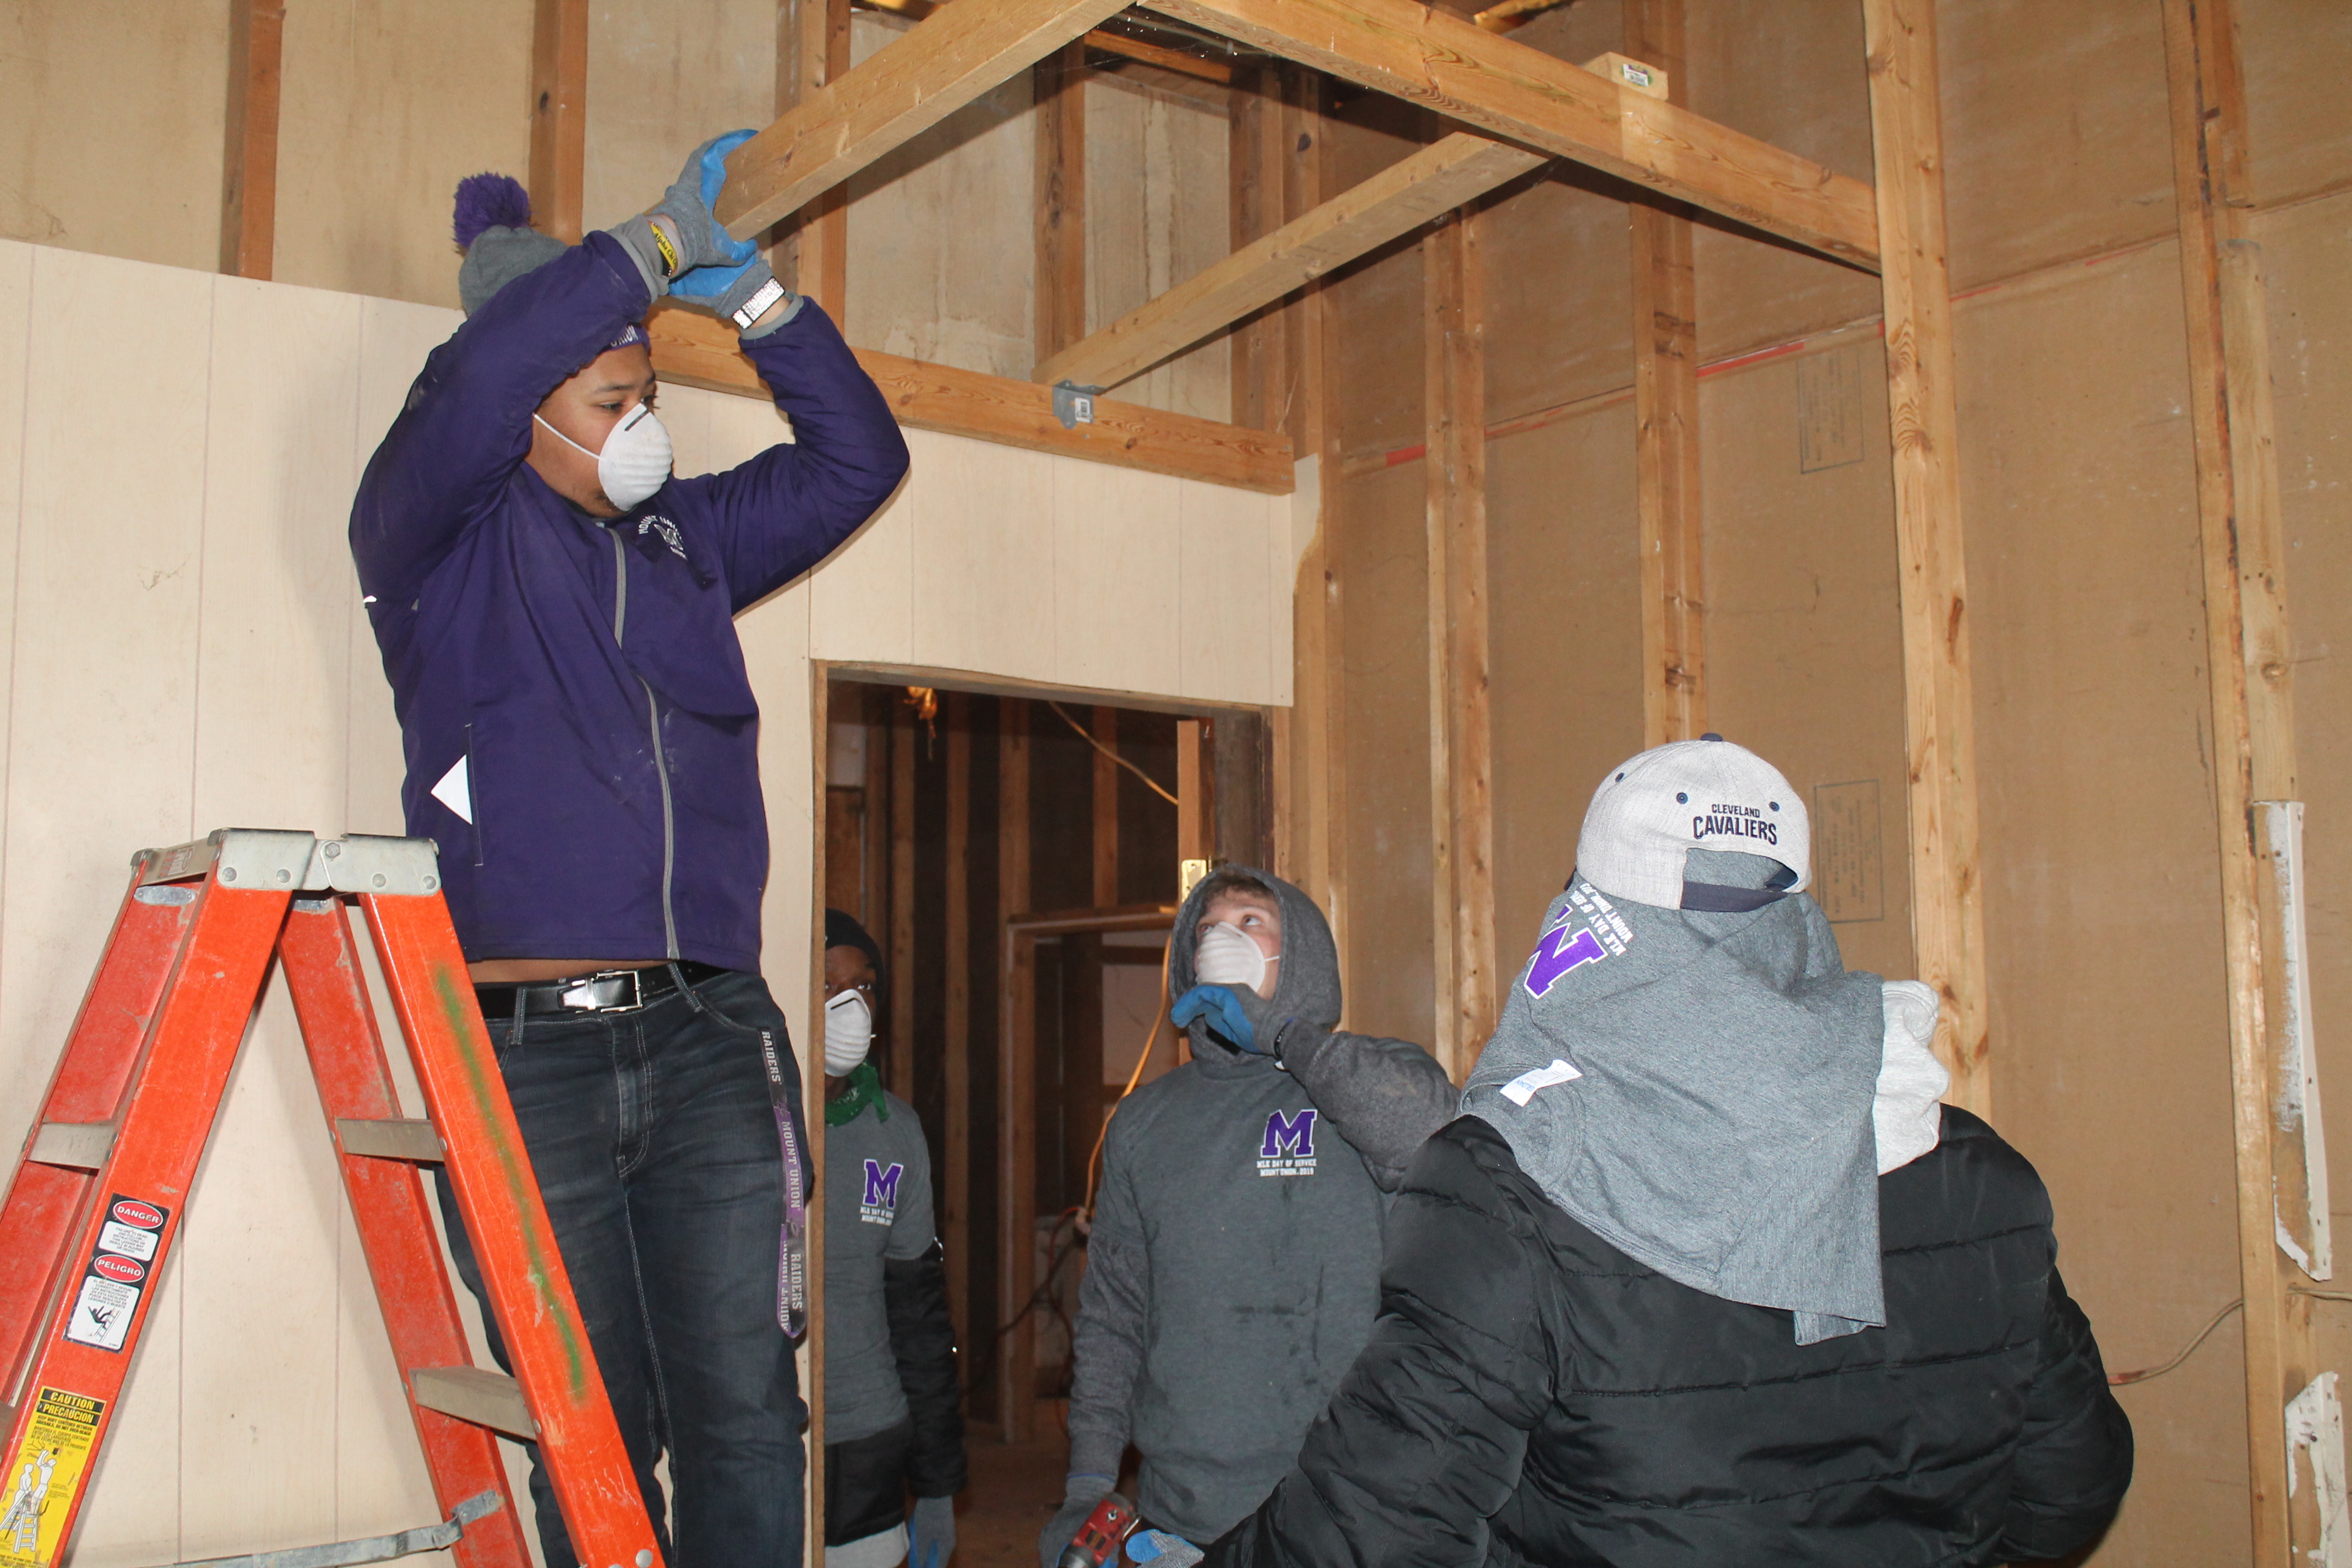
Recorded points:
(583, 997)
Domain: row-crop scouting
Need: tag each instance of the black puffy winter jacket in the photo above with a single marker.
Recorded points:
(1532, 1395)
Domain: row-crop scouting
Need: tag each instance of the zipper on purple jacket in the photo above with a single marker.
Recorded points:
(661, 759)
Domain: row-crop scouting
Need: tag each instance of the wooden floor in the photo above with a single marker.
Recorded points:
(1014, 1492)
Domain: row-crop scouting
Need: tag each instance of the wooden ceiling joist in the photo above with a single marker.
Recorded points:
(1507, 90)
(949, 60)
(1398, 199)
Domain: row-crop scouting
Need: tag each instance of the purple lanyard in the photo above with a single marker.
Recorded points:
(792, 1249)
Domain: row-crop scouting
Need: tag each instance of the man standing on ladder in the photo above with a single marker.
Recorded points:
(555, 612)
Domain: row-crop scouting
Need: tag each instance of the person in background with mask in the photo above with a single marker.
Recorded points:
(1233, 1267)
(556, 611)
(893, 1415)
(1705, 1274)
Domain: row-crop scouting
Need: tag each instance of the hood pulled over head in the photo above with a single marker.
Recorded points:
(1306, 977)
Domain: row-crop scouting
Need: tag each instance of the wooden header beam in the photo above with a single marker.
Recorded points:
(949, 60)
(691, 349)
(1507, 90)
(1398, 199)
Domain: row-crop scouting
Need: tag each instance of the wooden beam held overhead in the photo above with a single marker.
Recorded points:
(257, 35)
(1397, 200)
(559, 116)
(1939, 727)
(1509, 90)
(1666, 427)
(836, 130)
(2250, 663)
(693, 349)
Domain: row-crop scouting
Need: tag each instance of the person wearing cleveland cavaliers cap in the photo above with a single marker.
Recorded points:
(1703, 1274)
(555, 610)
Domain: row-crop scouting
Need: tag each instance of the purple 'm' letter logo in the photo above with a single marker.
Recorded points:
(1292, 1136)
(1558, 953)
(881, 1185)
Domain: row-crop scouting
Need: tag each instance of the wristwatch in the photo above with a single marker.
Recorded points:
(757, 304)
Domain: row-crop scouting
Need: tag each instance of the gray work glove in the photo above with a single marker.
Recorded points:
(1080, 1495)
(931, 1532)
(678, 234)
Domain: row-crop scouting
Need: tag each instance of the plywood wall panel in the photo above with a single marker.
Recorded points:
(661, 80)
(2298, 56)
(111, 126)
(1228, 602)
(1382, 558)
(984, 575)
(1117, 595)
(1804, 653)
(1565, 577)
(939, 232)
(386, 105)
(2102, 914)
(1158, 188)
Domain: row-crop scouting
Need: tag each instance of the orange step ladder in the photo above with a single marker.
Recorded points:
(101, 1190)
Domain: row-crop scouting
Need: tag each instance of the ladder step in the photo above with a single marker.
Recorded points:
(391, 1139)
(77, 1145)
(489, 1399)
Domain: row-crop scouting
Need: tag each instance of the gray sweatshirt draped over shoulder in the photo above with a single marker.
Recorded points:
(1234, 1268)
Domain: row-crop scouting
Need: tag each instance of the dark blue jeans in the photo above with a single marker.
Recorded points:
(652, 1136)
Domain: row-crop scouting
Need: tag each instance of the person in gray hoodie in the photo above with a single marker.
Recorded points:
(1234, 1261)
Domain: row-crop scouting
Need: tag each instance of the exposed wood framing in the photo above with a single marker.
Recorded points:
(2251, 663)
(813, 1086)
(1060, 91)
(1665, 403)
(839, 128)
(559, 116)
(820, 55)
(1016, 1097)
(1395, 201)
(1194, 848)
(693, 349)
(900, 942)
(1107, 42)
(1507, 90)
(1947, 892)
(1106, 808)
(1256, 193)
(955, 1189)
(257, 31)
(1461, 762)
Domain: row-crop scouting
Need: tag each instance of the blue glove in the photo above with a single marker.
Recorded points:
(931, 1532)
(706, 167)
(677, 237)
(1221, 1008)
(1161, 1549)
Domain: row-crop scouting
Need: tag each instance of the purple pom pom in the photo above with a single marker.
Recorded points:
(490, 201)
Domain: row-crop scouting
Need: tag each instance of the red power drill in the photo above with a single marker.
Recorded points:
(1098, 1542)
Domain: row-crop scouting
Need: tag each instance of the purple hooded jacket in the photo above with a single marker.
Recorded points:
(587, 673)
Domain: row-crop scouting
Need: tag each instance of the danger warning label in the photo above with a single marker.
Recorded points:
(108, 1300)
(45, 1474)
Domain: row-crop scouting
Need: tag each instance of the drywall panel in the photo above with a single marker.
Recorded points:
(1564, 579)
(984, 575)
(2110, 1045)
(386, 105)
(2298, 54)
(941, 244)
(1234, 595)
(661, 80)
(1114, 562)
(2307, 252)
(2057, 134)
(1804, 638)
(111, 126)
(1789, 72)
(1380, 551)
(1158, 189)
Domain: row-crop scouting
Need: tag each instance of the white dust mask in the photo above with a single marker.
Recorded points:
(848, 1033)
(1228, 955)
(637, 456)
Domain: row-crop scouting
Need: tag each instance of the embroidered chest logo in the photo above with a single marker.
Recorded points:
(668, 532)
(880, 1204)
(1599, 934)
(1289, 1146)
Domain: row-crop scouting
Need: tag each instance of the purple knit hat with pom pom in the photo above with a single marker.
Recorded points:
(491, 224)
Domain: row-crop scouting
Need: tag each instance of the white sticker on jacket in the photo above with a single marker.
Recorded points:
(1522, 1088)
(456, 792)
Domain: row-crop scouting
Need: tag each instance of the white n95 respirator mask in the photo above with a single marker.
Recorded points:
(848, 1033)
(637, 456)
(1228, 955)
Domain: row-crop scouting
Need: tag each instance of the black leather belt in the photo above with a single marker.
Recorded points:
(606, 991)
